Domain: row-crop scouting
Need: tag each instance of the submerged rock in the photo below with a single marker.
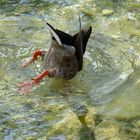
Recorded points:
(61, 137)
(113, 129)
(129, 131)
(68, 127)
(81, 112)
(31, 138)
(72, 128)
(107, 130)
(107, 12)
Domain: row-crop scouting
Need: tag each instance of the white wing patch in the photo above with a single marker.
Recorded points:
(56, 36)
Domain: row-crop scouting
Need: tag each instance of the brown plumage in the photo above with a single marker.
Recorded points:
(64, 57)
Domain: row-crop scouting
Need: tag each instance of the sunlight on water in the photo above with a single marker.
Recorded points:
(101, 102)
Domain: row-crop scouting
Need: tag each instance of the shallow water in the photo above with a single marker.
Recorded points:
(106, 91)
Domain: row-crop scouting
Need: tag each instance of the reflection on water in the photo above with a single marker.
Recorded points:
(108, 87)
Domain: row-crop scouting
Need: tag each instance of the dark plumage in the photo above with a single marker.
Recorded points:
(63, 59)
(78, 41)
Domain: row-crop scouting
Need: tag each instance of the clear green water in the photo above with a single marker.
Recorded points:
(108, 86)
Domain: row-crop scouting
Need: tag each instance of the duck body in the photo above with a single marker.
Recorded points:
(65, 55)
(63, 59)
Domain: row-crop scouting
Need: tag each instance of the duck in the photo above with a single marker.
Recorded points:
(63, 59)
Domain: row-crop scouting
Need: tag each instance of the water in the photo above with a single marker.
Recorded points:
(108, 87)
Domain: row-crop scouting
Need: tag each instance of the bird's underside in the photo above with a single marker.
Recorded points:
(63, 59)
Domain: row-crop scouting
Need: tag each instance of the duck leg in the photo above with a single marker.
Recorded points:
(26, 87)
(34, 57)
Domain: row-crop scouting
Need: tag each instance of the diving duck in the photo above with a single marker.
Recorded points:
(63, 59)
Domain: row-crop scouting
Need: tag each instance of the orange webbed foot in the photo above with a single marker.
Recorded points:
(25, 87)
(34, 57)
(26, 63)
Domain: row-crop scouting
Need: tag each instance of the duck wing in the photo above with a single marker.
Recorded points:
(60, 36)
(80, 42)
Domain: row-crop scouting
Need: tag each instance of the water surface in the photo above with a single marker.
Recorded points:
(108, 87)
